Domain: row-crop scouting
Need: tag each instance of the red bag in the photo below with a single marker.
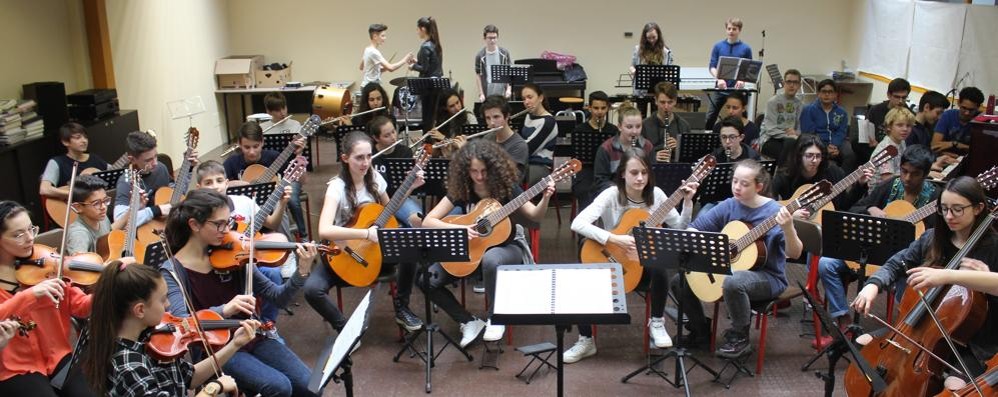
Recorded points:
(563, 60)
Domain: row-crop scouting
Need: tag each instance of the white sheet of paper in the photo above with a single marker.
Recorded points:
(866, 130)
(572, 298)
(530, 292)
(353, 328)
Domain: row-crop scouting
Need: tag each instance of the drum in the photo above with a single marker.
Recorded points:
(259, 117)
(331, 102)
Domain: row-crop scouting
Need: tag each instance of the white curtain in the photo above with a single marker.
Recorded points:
(979, 53)
(887, 37)
(937, 34)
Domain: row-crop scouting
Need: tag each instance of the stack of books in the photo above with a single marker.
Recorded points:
(19, 121)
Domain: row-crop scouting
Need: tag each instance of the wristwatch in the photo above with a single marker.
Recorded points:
(212, 388)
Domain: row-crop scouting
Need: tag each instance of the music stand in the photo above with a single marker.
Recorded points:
(694, 145)
(336, 356)
(470, 129)
(738, 69)
(560, 295)
(585, 145)
(841, 344)
(512, 74)
(774, 74)
(435, 175)
(342, 131)
(427, 246)
(278, 142)
(647, 76)
(260, 192)
(864, 239)
(669, 176)
(683, 251)
(111, 176)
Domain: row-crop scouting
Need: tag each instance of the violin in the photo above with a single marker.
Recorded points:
(23, 326)
(272, 250)
(81, 269)
(170, 338)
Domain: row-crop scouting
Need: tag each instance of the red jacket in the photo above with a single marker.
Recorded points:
(48, 343)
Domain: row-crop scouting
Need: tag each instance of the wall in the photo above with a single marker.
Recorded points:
(165, 51)
(325, 39)
(43, 41)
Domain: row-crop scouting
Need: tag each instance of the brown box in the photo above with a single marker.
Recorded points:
(272, 78)
(236, 71)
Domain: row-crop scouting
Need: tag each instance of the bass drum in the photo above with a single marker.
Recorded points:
(331, 102)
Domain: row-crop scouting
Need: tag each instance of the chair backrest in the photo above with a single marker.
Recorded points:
(51, 238)
(697, 120)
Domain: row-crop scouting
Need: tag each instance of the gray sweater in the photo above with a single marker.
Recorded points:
(781, 113)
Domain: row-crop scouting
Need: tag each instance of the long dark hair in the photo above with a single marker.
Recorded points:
(456, 126)
(652, 53)
(648, 193)
(198, 205)
(794, 163)
(8, 209)
(364, 106)
(349, 142)
(537, 90)
(430, 26)
(118, 288)
(501, 171)
(969, 189)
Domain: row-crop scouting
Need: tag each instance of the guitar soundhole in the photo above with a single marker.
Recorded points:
(483, 228)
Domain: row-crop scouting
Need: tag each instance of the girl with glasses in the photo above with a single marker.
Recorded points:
(808, 163)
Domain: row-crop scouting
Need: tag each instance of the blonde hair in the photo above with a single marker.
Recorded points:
(897, 116)
(627, 109)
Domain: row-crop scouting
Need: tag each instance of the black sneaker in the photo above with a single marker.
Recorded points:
(407, 319)
(734, 348)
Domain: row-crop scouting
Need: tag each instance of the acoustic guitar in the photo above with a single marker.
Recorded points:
(825, 203)
(121, 243)
(257, 173)
(358, 261)
(56, 209)
(148, 233)
(491, 219)
(594, 252)
(748, 248)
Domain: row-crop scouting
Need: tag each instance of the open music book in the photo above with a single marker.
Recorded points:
(554, 291)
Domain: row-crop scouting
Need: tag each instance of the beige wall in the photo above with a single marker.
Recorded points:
(43, 41)
(165, 51)
(325, 39)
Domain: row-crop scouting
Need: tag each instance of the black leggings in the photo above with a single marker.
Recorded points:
(37, 385)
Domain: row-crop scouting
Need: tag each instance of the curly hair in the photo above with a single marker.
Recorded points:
(500, 168)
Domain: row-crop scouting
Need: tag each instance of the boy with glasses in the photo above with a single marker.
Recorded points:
(952, 135)
(732, 148)
(491, 54)
(90, 202)
(830, 122)
(781, 125)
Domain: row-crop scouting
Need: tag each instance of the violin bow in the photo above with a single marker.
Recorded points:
(251, 264)
(949, 341)
(215, 366)
(912, 341)
(69, 203)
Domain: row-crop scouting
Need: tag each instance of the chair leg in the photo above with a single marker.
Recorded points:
(557, 208)
(339, 298)
(713, 327)
(646, 332)
(535, 244)
(762, 341)
(462, 294)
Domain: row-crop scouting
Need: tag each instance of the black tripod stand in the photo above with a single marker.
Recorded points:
(430, 246)
(685, 251)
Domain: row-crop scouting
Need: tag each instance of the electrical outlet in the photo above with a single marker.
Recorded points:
(628, 35)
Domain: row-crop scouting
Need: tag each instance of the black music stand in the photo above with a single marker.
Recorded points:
(683, 251)
(342, 131)
(435, 175)
(260, 192)
(155, 254)
(669, 176)
(336, 356)
(717, 185)
(515, 305)
(647, 76)
(277, 143)
(427, 85)
(841, 344)
(585, 145)
(111, 176)
(694, 145)
(863, 238)
(469, 129)
(512, 74)
(428, 246)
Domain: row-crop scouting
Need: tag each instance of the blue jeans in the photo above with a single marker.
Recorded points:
(270, 369)
(294, 205)
(409, 206)
(268, 310)
(831, 271)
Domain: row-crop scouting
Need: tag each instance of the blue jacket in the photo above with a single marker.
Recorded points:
(831, 127)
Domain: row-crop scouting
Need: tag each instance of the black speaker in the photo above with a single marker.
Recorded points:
(51, 99)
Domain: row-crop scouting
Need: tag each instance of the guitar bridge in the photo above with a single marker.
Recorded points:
(353, 254)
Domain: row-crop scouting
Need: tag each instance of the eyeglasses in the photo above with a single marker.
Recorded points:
(813, 156)
(900, 97)
(221, 226)
(22, 236)
(795, 82)
(956, 210)
(729, 137)
(99, 203)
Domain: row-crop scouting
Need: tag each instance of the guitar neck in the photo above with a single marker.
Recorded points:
(518, 202)
(183, 179)
(921, 213)
(658, 216)
(761, 229)
(120, 163)
(267, 208)
(842, 185)
(134, 200)
(275, 167)
(396, 201)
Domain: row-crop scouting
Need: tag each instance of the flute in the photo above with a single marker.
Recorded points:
(334, 119)
(448, 141)
(397, 141)
(275, 124)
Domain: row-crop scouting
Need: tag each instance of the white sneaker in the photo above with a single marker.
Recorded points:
(493, 332)
(585, 347)
(658, 333)
(470, 331)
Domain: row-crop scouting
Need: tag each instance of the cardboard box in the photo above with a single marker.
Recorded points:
(272, 78)
(236, 71)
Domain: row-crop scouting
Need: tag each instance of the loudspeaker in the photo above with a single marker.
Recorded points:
(51, 99)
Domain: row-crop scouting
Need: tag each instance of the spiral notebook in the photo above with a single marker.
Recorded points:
(557, 289)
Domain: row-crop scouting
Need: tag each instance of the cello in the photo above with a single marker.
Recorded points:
(907, 369)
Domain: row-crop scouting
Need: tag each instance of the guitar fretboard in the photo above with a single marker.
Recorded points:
(267, 208)
(183, 181)
(761, 229)
(400, 195)
(305, 131)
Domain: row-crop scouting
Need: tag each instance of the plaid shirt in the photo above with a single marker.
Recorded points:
(134, 373)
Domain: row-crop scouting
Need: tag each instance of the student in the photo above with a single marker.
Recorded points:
(767, 281)
(930, 108)
(480, 170)
(428, 62)
(897, 98)
(265, 365)
(781, 125)
(372, 96)
(634, 187)
(55, 177)
(826, 119)
(731, 46)
(496, 112)
(491, 54)
(650, 50)
(353, 187)
(911, 186)
(962, 207)
(736, 105)
(952, 136)
(598, 125)
(28, 363)
(131, 300)
(808, 163)
(897, 124)
(609, 153)
(662, 129)
(450, 104)
(373, 63)
(733, 148)
(90, 202)
(539, 130)
(277, 108)
(251, 152)
(142, 157)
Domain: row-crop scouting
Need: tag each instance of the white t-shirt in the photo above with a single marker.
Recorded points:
(345, 212)
(289, 126)
(372, 66)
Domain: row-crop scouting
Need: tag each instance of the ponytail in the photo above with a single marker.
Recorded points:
(627, 109)
(430, 26)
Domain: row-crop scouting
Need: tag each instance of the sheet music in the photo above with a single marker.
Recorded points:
(554, 291)
(595, 298)
(531, 295)
(866, 129)
(351, 332)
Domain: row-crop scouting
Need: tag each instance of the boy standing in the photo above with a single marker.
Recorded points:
(490, 55)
